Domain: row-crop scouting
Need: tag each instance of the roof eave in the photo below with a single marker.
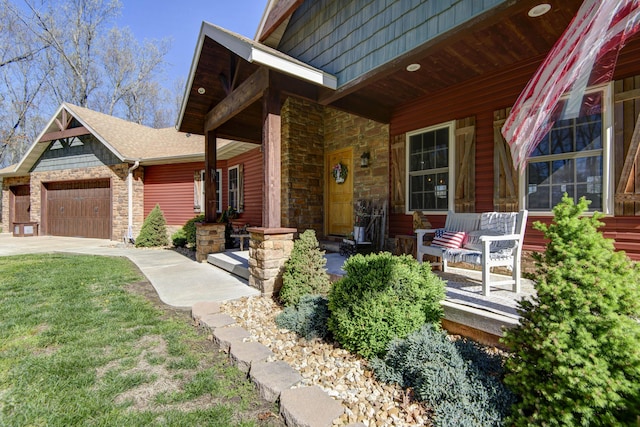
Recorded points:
(257, 53)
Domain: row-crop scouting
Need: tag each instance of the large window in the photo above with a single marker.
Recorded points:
(234, 182)
(429, 168)
(573, 158)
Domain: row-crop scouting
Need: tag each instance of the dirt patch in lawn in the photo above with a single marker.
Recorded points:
(163, 380)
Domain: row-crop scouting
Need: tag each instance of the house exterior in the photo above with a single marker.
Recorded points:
(92, 175)
(423, 89)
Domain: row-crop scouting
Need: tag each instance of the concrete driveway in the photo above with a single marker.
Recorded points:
(179, 281)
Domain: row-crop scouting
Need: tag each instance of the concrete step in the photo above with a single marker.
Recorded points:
(235, 262)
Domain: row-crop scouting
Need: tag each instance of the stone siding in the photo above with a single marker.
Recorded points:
(309, 131)
(343, 130)
(302, 190)
(117, 175)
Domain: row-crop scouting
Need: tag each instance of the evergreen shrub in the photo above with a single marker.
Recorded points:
(190, 229)
(179, 238)
(380, 298)
(154, 230)
(576, 350)
(308, 319)
(304, 272)
(459, 380)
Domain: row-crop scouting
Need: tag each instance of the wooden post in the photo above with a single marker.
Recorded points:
(210, 185)
(271, 198)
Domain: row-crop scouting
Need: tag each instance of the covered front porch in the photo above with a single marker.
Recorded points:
(466, 311)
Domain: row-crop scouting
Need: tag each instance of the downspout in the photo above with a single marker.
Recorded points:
(129, 236)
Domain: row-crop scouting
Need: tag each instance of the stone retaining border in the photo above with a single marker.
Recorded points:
(299, 407)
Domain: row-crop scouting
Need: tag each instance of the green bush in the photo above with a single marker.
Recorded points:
(304, 272)
(190, 229)
(460, 381)
(154, 230)
(308, 319)
(576, 350)
(179, 239)
(382, 297)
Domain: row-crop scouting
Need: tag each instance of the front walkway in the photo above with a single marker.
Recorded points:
(179, 281)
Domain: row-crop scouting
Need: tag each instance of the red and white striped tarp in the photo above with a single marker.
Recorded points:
(584, 55)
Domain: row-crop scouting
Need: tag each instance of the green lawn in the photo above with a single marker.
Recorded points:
(78, 348)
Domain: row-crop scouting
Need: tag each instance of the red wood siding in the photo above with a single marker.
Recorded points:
(253, 183)
(171, 186)
(480, 98)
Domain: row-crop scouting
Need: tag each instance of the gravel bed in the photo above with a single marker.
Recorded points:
(341, 374)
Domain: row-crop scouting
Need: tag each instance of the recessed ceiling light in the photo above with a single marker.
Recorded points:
(413, 67)
(201, 90)
(539, 10)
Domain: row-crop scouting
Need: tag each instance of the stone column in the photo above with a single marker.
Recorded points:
(269, 249)
(209, 239)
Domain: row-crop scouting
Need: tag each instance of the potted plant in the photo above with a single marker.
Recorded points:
(361, 221)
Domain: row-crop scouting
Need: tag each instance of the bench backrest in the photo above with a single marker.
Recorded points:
(462, 221)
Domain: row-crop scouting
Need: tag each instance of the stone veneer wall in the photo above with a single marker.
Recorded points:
(117, 174)
(309, 131)
(302, 165)
(343, 130)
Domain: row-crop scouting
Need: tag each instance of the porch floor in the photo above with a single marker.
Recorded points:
(466, 309)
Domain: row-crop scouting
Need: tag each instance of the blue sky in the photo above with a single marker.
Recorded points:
(181, 20)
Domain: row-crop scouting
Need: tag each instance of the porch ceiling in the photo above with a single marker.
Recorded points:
(502, 37)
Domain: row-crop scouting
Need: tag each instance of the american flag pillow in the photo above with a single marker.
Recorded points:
(449, 239)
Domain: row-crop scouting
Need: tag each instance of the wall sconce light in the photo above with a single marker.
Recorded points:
(364, 159)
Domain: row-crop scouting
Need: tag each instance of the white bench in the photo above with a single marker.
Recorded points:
(492, 239)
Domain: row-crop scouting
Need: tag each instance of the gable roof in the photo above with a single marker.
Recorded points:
(128, 141)
(201, 94)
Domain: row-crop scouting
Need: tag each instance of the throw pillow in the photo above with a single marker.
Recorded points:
(449, 239)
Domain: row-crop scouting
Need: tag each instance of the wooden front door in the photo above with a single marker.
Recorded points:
(20, 203)
(340, 198)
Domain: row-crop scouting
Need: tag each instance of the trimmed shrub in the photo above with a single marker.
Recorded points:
(460, 381)
(576, 350)
(308, 319)
(382, 297)
(190, 229)
(304, 272)
(153, 231)
(179, 239)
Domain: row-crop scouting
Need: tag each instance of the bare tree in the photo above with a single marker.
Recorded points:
(54, 51)
(130, 69)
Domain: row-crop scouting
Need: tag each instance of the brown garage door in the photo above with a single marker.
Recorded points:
(79, 209)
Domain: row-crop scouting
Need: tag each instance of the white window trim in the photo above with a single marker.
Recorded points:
(237, 168)
(451, 168)
(607, 156)
(219, 191)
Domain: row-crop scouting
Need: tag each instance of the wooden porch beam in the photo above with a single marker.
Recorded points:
(210, 185)
(67, 133)
(246, 94)
(271, 206)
